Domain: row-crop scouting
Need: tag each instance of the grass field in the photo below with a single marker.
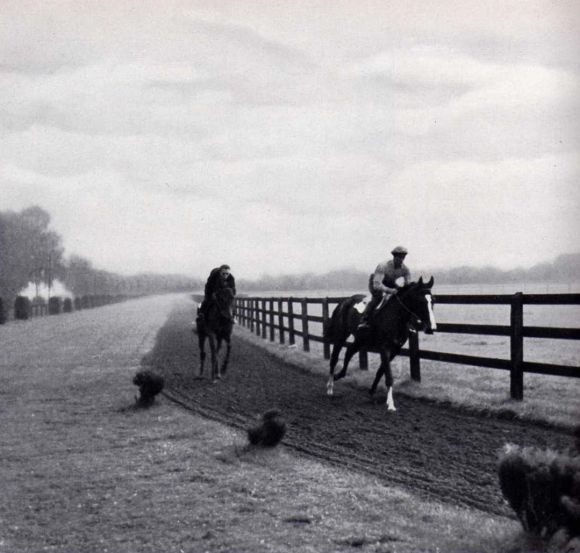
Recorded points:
(84, 471)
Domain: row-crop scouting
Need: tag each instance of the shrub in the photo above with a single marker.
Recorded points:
(77, 303)
(2, 314)
(543, 488)
(86, 302)
(270, 431)
(67, 305)
(150, 384)
(21, 308)
(54, 305)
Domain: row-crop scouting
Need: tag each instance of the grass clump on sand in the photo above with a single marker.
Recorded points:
(543, 488)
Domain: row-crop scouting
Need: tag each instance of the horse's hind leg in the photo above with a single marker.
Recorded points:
(336, 347)
(350, 351)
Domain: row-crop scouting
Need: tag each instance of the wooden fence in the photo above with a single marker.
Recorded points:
(288, 318)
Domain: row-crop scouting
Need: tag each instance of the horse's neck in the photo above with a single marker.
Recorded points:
(397, 316)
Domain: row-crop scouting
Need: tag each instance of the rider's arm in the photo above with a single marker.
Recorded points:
(378, 282)
(232, 283)
(210, 284)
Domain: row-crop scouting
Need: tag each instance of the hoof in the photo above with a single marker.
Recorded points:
(391, 409)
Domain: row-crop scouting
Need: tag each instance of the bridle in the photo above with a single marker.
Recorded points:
(411, 312)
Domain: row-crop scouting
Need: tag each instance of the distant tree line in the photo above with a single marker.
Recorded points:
(564, 269)
(30, 252)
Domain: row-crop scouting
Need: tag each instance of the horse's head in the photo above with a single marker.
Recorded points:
(224, 300)
(417, 298)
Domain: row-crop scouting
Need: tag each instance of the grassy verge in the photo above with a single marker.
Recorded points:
(83, 470)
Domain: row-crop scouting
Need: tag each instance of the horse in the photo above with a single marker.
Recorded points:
(411, 306)
(216, 326)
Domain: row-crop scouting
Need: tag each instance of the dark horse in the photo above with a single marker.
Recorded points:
(217, 327)
(411, 306)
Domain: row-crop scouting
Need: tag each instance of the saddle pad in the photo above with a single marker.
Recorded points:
(361, 305)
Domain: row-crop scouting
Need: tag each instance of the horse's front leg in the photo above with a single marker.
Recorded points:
(227, 356)
(336, 347)
(386, 357)
(381, 371)
(201, 341)
(377, 379)
(350, 351)
(214, 360)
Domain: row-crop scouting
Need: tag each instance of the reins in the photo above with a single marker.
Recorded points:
(412, 313)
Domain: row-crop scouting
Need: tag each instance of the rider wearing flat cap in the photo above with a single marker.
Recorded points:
(384, 282)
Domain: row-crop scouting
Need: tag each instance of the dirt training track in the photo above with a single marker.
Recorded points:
(432, 450)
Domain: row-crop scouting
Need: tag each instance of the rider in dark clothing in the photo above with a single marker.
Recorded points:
(220, 277)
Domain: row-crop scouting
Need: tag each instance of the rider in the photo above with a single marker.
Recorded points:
(384, 282)
(220, 277)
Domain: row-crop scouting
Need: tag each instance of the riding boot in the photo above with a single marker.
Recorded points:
(365, 320)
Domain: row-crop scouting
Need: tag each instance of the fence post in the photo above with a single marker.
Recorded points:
(272, 330)
(281, 321)
(325, 317)
(517, 347)
(251, 314)
(363, 359)
(304, 316)
(264, 318)
(257, 310)
(291, 334)
(414, 357)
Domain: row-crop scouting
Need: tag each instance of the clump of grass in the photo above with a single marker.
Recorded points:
(150, 384)
(543, 488)
(270, 431)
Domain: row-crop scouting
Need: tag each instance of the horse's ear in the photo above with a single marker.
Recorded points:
(430, 283)
(420, 283)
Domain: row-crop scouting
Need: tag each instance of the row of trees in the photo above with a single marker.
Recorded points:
(564, 269)
(30, 252)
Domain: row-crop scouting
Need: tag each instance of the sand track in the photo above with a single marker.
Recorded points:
(432, 450)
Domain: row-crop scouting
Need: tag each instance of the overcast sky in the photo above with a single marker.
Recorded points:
(292, 136)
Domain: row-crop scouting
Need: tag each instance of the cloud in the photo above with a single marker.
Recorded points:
(287, 139)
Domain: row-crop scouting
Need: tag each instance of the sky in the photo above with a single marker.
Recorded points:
(284, 137)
